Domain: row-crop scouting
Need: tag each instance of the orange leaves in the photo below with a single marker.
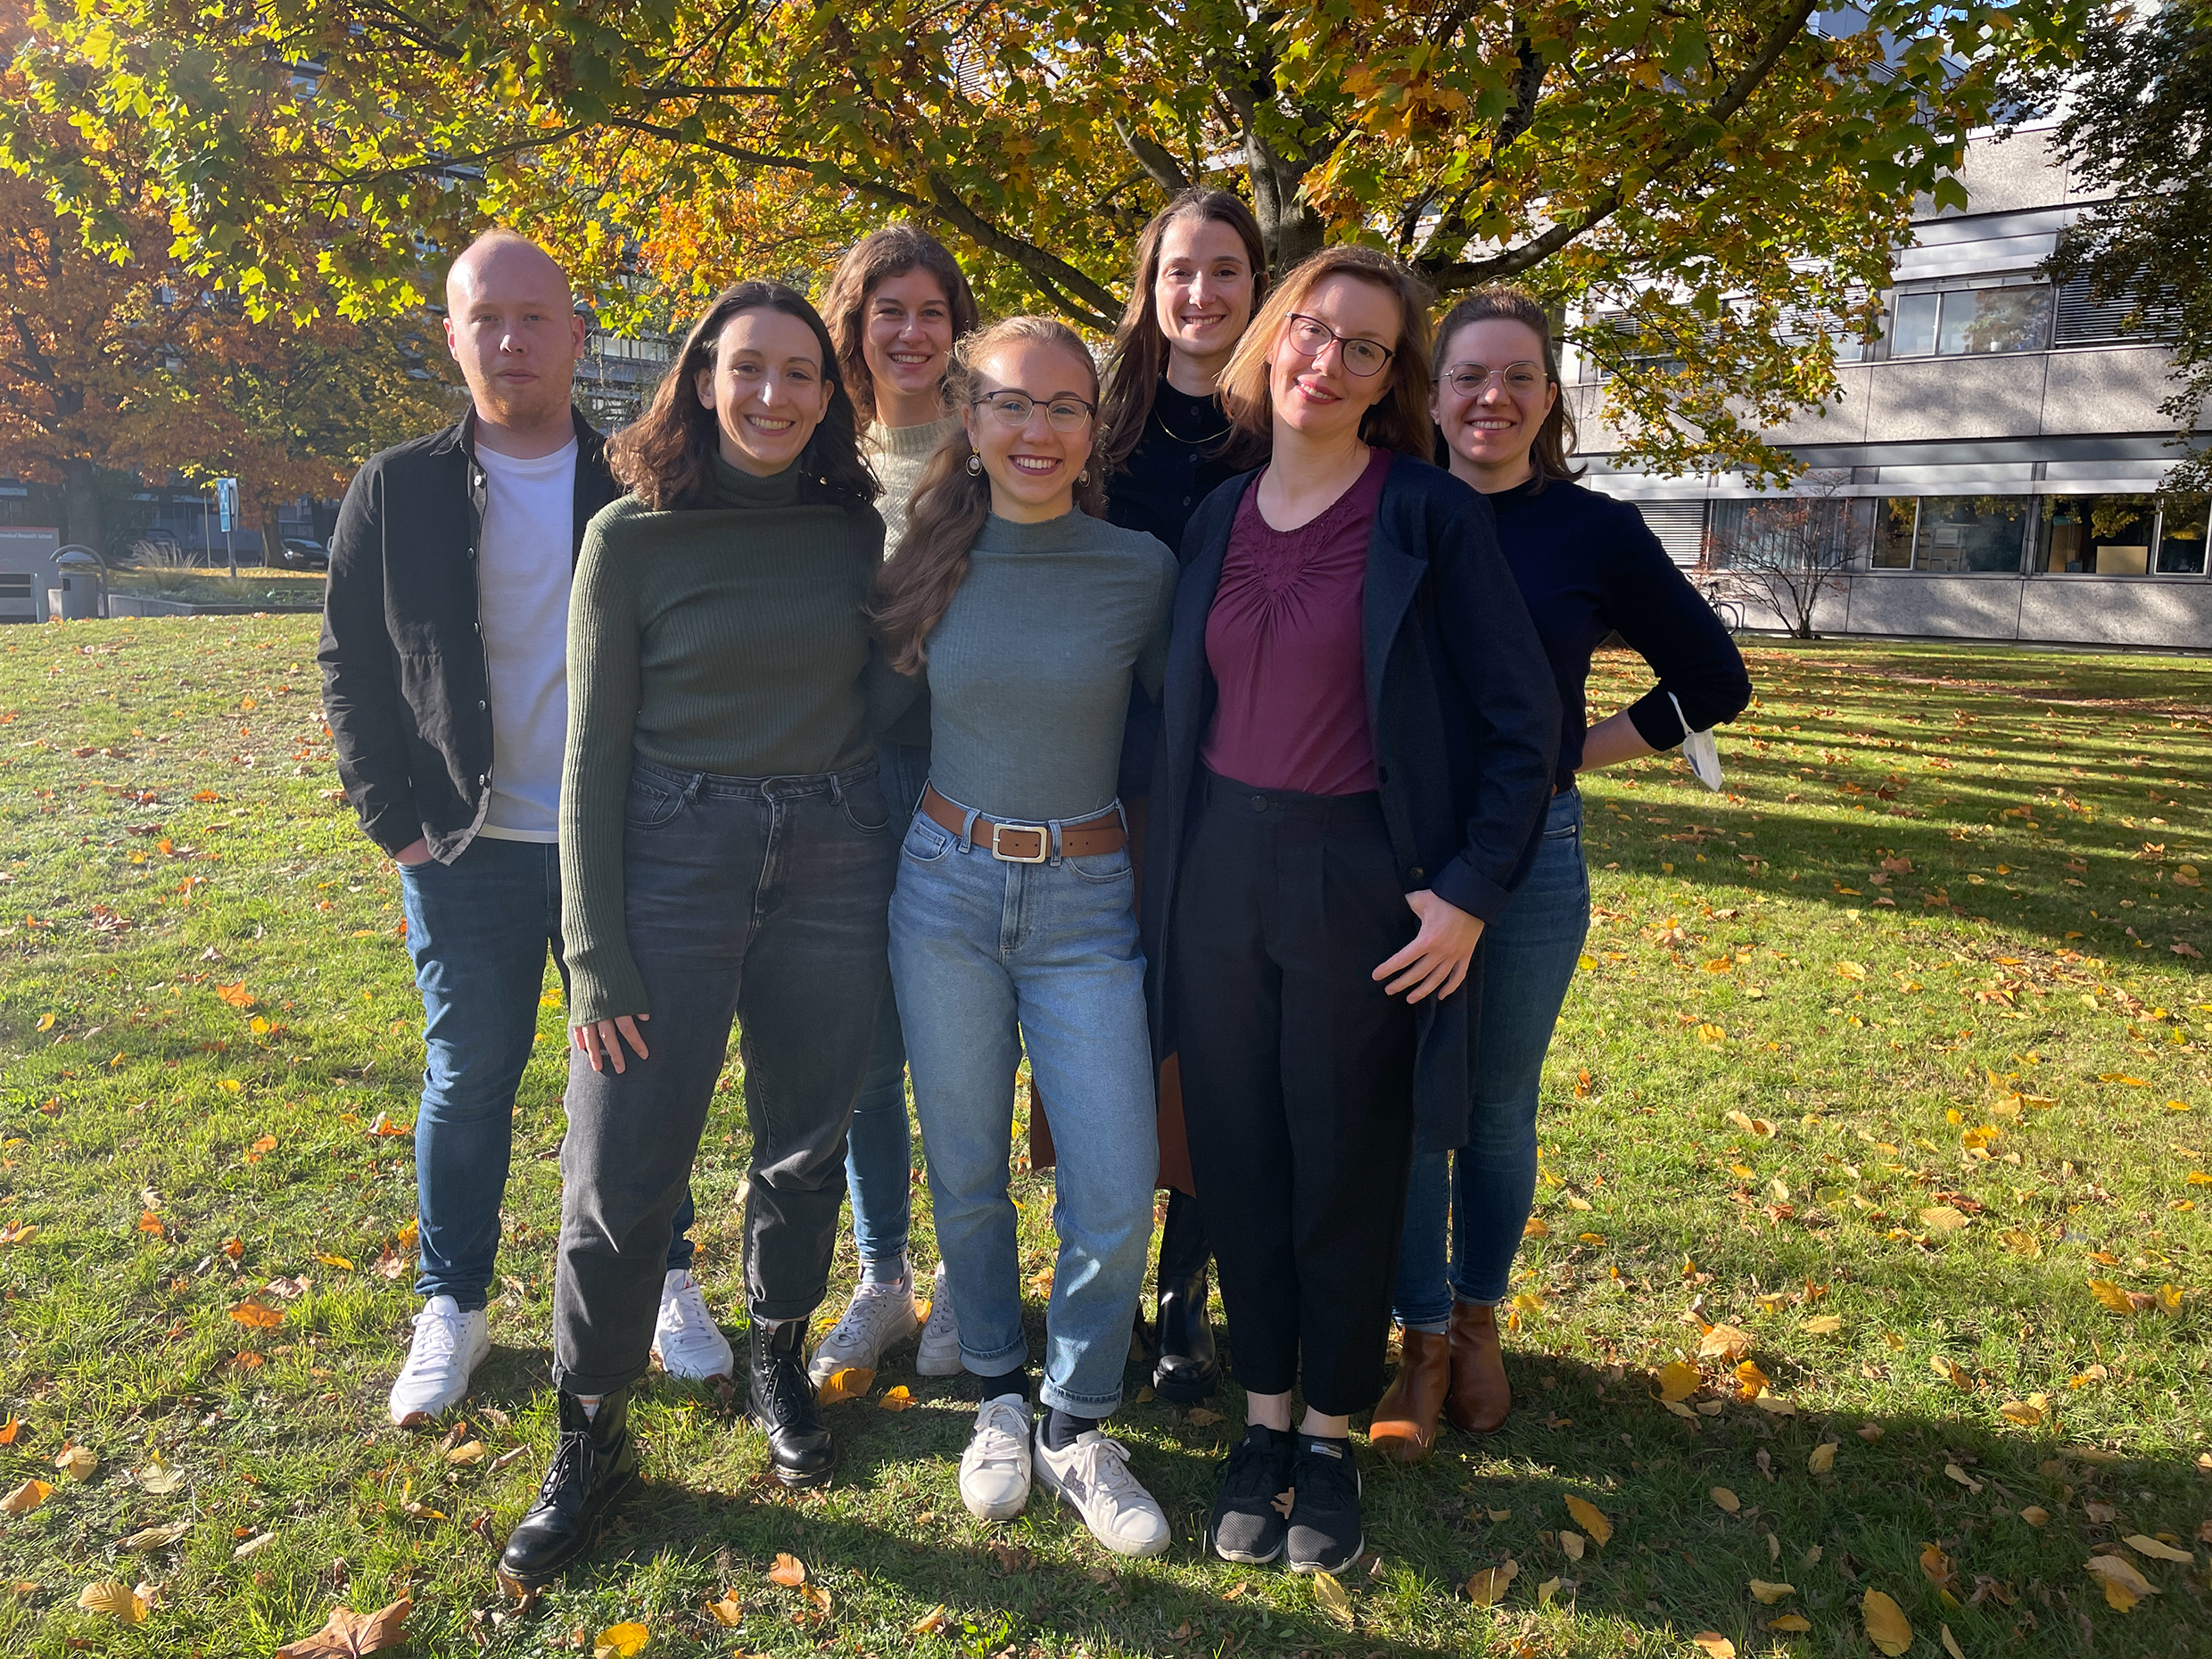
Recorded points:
(152, 1223)
(26, 1498)
(237, 995)
(266, 1144)
(846, 1382)
(11, 1429)
(1724, 1341)
(350, 1635)
(789, 1570)
(1487, 1588)
(257, 1316)
(899, 1399)
(18, 1232)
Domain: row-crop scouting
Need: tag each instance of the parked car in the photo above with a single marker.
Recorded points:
(303, 553)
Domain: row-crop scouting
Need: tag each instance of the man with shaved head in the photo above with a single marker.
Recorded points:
(444, 658)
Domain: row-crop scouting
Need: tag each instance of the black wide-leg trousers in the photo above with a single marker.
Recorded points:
(1298, 1079)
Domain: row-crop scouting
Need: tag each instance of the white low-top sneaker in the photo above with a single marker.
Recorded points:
(879, 1317)
(995, 1469)
(447, 1348)
(686, 1339)
(1094, 1476)
(938, 1354)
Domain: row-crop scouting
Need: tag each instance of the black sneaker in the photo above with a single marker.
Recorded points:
(1248, 1524)
(1325, 1534)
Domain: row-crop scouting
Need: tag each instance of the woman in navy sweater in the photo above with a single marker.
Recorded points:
(1587, 566)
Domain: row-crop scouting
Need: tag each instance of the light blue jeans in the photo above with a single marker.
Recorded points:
(989, 958)
(879, 1149)
(1481, 1194)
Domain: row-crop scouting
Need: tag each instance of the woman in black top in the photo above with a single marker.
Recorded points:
(1200, 272)
(1586, 565)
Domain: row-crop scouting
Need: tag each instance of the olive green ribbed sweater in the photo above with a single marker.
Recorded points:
(728, 640)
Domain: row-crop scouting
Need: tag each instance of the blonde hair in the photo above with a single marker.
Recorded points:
(1401, 420)
(950, 504)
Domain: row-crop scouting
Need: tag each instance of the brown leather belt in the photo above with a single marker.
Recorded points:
(1028, 844)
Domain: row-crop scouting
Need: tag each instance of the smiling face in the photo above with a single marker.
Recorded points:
(1202, 297)
(1033, 467)
(906, 346)
(766, 388)
(1490, 429)
(1316, 396)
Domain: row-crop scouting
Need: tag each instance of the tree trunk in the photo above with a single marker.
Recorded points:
(80, 505)
(1287, 222)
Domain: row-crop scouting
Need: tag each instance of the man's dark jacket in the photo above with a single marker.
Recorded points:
(1465, 723)
(404, 683)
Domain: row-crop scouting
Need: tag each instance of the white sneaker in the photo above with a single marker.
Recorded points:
(995, 1469)
(447, 1347)
(879, 1318)
(939, 1356)
(1094, 1476)
(686, 1339)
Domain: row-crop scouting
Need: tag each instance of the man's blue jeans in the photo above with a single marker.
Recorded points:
(478, 930)
(989, 957)
(1483, 1192)
(879, 1152)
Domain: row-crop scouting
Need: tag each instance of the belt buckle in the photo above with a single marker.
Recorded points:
(1044, 843)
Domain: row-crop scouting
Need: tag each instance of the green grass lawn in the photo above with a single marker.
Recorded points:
(201, 586)
(1890, 1065)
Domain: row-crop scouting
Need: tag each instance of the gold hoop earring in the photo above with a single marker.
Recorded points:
(975, 466)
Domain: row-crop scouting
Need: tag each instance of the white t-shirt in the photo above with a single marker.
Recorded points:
(525, 563)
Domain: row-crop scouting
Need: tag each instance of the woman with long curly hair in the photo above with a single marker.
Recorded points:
(1013, 927)
(726, 853)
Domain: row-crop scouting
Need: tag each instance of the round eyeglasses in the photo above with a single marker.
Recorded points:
(1524, 380)
(1310, 336)
(1062, 414)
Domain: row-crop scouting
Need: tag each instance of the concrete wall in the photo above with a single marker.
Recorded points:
(2069, 610)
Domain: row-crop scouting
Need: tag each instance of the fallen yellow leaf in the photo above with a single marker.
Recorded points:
(1678, 1380)
(896, 1399)
(1714, 1645)
(1949, 1371)
(1726, 1500)
(932, 1621)
(1488, 1587)
(1821, 1459)
(1545, 1591)
(2027, 1413)
(1724, 1341)
(114, 1597)
(2112, 1296)
(1332, 1598)
(1951, 1643)
(76, 1462)
(1767, 1594)
(467, 1451)
(1592, 1518)
(790, 1572)
(2124, 1587)
(1790, 1621)
(2145, 1546)
(1536, 1227)
(2021, 1243)
(621, 1641)
(729, 1612)
(2036, 1514)
(26, 1498)
(1886, 1626)
(848, 1383)
(1823, 1324)
(1944, 1218)
(1574, 1543)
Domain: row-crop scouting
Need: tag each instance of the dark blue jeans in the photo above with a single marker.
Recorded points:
(1487, 1188)
(478, 930)
(879, 1153)
(765, 901)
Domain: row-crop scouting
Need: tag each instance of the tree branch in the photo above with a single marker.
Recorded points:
(1166, 171)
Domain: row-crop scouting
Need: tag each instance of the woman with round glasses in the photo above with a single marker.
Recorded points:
(1012, 925)
(1358, 731)
(1587, 566)
(895, 306)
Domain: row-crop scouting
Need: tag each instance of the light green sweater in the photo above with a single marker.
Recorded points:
(898, 454)
(729, 640)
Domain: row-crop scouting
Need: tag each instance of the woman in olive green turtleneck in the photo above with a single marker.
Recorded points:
(726, 852)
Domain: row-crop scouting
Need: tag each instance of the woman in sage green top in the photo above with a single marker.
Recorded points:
(896, 305)
(726, 853)
(1013, 926)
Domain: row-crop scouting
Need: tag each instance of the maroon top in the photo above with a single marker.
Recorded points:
(1283, 642)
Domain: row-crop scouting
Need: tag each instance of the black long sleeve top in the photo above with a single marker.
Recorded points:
(1589, 565)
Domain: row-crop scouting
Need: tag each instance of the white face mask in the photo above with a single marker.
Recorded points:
(1699, 749)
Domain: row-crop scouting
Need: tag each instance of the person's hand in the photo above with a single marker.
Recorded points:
(1437, 959)
(597, 1039)
(415, 852)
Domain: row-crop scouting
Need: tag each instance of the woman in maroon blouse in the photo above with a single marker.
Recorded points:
(1358, 727)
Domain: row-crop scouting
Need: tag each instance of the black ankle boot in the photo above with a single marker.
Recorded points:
(1188, 1368)
(783, 1404)
(594, 1460)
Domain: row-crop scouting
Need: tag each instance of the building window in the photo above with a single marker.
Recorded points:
(1799, 532)
(1968, 318)
(2119, 535)
(1950, 534)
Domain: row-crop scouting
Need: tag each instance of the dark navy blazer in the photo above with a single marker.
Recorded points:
(1466, 725)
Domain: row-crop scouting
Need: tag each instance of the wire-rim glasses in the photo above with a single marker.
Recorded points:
(1062, 414)
(1524, 380)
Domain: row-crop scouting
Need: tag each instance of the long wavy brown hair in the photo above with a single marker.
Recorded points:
(665, 457)
(1556, 438)
(950, 504)
(1400, 421)
(875, 259)
(1138, 356)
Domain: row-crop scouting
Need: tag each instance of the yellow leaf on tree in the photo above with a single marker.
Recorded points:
(790, 1572)
(1678, 1380)
(622, 1641)
(1767, 1594)
(1332, 1598)
(1821, 1459)
(114, 1597)
(2111, 1295)
(1714, 1645)
(1886, 1626)
(1592, 1519)
(1726, 1500)
(2124, 1587)
(1487, 1588)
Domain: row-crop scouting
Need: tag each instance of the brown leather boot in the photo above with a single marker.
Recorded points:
(1479, 1397)
(1404, 1428)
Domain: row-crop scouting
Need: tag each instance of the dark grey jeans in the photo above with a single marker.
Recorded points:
(764, 900)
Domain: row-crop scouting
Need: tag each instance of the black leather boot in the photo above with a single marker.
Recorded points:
(1188, 1368)
(593, 1461)
(783, 1404)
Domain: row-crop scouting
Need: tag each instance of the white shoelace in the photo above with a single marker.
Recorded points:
(1002, 1434)
(437, 1339)
(687, 1309)
(1103, 1465)
(872, 1307)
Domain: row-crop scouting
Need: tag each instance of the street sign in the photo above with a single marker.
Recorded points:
(226, 500)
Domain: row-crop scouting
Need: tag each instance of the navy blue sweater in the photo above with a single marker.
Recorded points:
(1589, 565)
